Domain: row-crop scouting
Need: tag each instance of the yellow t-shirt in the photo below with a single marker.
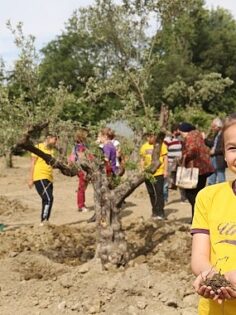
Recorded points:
(215, 214)
(146, 154)
(41, 169)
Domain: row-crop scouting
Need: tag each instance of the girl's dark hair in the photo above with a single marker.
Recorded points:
(174, 127)
(160, 137)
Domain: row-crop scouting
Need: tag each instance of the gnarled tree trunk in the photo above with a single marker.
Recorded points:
(8, 159)
(111, 243)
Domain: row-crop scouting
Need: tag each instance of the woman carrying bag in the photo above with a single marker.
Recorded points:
(195, 155)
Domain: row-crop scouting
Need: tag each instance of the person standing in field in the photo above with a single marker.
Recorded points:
(174, 147)
(155, 185)
(41, 176)
(214, 235)
(104, 140)
(105, 137)
(77, 154)
(216, 151)
(120, 161)
(195, 154)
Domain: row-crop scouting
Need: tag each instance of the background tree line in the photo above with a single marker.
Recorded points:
(123, 61)
(187, 42)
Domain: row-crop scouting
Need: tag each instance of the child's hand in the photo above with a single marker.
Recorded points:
(230, 292)
(224, 293)
(202, 289)
(231, 277)
(30, 183)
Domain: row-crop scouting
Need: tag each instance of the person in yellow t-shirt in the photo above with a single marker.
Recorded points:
(155, 185)
(41, 176)
(214, 235)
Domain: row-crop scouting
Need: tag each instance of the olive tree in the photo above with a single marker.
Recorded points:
(22, 102)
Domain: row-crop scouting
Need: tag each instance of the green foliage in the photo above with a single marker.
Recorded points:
(180, 22)
(194, 115)
(22, 103)
(70, 58)
(193, 41)
(122, 33)
(203, 91)
(106, 67)
(109, 61)
(217, 43)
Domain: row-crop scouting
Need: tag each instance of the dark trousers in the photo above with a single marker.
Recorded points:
(155, 191)
(45, 190)
(192, 193)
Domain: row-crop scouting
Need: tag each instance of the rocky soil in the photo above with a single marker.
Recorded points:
(52, 269)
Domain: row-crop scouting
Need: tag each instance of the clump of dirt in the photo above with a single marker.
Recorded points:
(161, 244)
(62, 244)
(33, 266)
(216, 282)
(9, 207)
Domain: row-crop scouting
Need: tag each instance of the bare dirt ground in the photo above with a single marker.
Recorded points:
(51, 269)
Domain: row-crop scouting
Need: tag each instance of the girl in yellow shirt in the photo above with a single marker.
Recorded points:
(156, 184)
(214, 235)
(41, 176)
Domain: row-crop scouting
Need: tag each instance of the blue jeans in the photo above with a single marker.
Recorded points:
(166, 189)
(218, 176)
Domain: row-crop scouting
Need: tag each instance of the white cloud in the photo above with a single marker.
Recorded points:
(227, 4)
(42, 18)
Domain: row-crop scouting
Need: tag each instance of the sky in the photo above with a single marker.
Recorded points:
(46, 18)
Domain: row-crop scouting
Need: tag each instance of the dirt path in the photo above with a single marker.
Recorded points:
(13, 185)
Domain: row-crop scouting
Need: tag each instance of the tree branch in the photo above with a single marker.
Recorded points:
(126, 189)
(50, 160)
(26, 144)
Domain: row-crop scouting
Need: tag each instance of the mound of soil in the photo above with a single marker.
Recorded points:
(52, 270)
(63, 244)
(157, 280)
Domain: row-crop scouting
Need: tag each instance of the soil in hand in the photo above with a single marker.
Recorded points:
(216, 282)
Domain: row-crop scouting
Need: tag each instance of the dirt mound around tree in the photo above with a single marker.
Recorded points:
(63, 244)
(52, 270)
(55, 271)
(161, 243)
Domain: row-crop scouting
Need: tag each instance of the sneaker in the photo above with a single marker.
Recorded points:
(44, 223)
(83, 209)
(158, 217)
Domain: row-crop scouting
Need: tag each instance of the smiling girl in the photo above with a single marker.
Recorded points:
(214, 235)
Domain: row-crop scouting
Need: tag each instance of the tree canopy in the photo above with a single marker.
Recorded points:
(124, 61)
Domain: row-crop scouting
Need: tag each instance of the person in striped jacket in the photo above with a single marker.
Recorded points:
(174, 146)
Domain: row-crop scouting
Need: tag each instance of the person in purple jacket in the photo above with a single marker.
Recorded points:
(105, 137)
(104, 140)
